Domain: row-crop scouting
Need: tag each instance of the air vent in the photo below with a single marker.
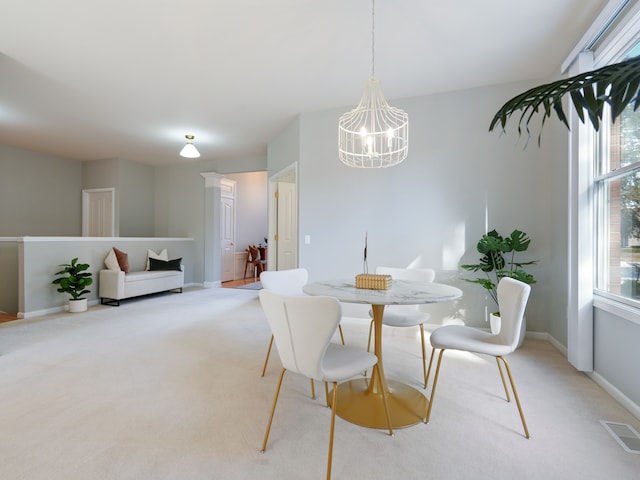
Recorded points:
(624, 434)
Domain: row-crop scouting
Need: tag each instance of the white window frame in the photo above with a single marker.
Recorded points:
(613, 33)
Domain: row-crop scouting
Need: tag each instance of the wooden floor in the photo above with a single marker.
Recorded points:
(5, 317)
(238, 283)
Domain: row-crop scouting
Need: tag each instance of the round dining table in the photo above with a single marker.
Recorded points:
(361, 401)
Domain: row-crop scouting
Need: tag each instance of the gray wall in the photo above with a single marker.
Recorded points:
(150, 201)
(616, 353)
(39, 194)
(134, 186)
(9, 268)
(137, 185)
(251, 208)
(183, 208)
(457, 182)
(284, 148)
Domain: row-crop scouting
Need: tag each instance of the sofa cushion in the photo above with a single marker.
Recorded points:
(163, 255)
(111, 261)
(144, 275)
(123, 260)
(155, 264)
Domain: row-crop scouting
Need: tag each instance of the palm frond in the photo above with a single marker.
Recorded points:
(616, 85)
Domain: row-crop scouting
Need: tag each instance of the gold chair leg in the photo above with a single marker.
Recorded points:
(326, 393)
(435, 382)
(515, 394)
(341, 334)
(504, 384)
(273, 410)
(266, 360)
(384, 401)
(334, 406)
(424, 356)
(433, 351)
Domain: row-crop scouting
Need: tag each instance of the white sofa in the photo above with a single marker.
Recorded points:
(116, 285)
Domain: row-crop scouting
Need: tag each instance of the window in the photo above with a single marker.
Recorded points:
(617, 204)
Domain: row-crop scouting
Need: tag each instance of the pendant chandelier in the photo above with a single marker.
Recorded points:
(374, 134)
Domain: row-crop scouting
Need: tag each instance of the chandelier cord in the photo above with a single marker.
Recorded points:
(373, 38)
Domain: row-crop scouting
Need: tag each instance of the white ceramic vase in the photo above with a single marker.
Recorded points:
(494, 322)
(79, 305)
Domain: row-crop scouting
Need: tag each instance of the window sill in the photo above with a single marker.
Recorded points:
(616, 306)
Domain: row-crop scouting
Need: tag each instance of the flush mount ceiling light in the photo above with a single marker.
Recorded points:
(189, 150)
(374, 134)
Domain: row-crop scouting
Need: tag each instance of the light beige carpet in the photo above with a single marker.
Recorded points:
(169, 387)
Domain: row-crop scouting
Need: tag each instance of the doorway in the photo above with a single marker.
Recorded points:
(250, 226)
(227, 229)
(98, 212)
(283, 219)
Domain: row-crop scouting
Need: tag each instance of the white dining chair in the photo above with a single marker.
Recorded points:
(303, 328)
(512, 301)
(406, 315)
(286, 282)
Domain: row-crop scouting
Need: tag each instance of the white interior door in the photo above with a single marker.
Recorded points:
(227, 229)
(98, 212)
(287, 226)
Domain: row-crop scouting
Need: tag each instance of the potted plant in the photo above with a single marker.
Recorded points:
(499, 260)
(74, 280)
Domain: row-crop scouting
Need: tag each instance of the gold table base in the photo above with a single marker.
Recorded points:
(359, 404)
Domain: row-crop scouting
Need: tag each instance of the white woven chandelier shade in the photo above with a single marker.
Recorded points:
(374, 134)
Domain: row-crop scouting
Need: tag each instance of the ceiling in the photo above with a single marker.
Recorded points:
(129, 78)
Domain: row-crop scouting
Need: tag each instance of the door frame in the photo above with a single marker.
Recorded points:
(86, 211)
(289, 174)
(227, 190)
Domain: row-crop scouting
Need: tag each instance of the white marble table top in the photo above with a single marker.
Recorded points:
(402, 292)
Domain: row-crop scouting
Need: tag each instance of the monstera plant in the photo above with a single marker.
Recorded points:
(616, 85)
(499, 260)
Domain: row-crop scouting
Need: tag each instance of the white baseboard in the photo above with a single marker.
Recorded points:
(561, 348)
(625, 401)
(620, 397)
(49, 311)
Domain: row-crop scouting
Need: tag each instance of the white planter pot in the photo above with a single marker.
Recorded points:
(494, 325)
(79, 305)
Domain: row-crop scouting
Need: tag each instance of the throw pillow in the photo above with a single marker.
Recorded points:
(123, 260)
(163, 255)
(111, 261)
(155, 264)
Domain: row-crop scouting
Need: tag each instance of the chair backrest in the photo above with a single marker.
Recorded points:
(512, 301)
(302, 328)
(415, 274)
(285, 282)
(254, 252)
